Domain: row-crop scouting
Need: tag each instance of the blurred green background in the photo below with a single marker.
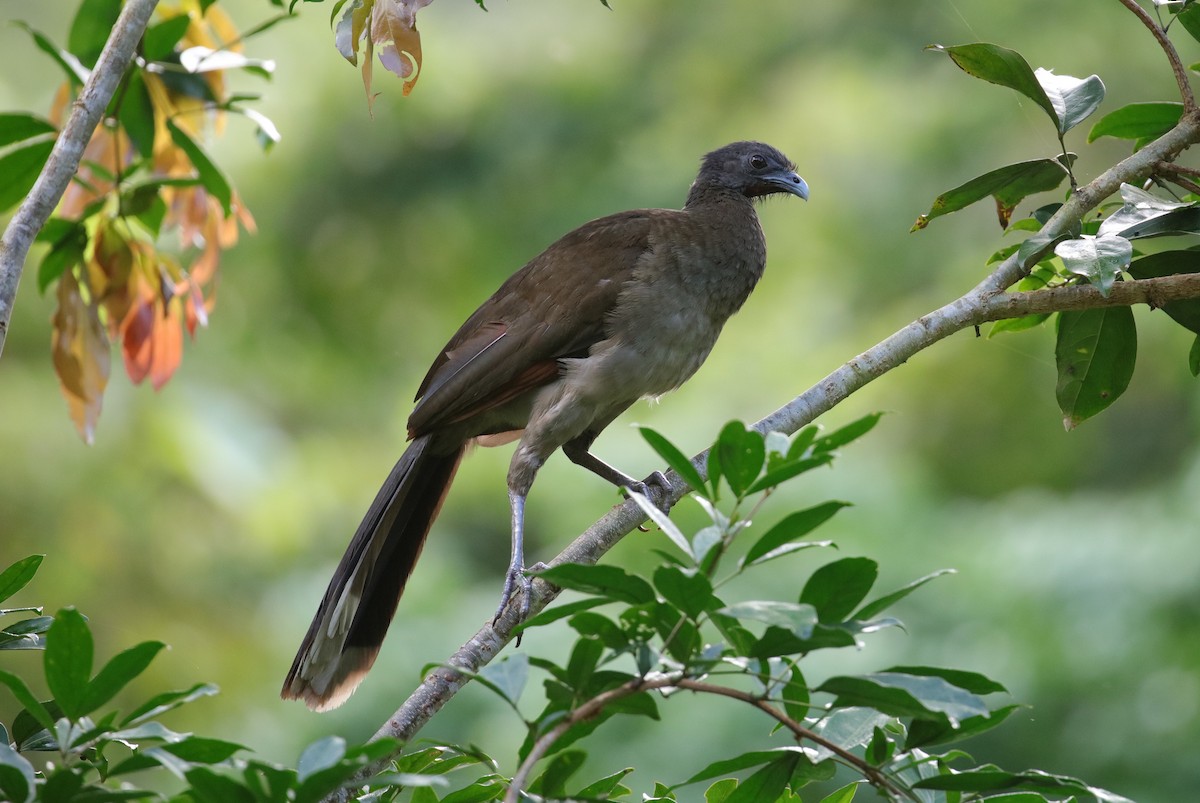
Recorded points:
(211, 514)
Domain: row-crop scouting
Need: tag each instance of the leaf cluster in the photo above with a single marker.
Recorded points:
(1096, 349)
(144, 178)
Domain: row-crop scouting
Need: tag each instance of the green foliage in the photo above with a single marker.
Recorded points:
(660, 634)
(1096, 349)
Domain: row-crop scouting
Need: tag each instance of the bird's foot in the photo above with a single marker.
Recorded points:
(657, 489)
(518, 579)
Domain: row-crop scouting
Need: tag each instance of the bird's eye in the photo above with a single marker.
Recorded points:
(758, 162)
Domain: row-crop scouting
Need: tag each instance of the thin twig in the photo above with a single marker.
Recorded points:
(1176, 175)
(597, 704)
(68, 149)
(1185, 88)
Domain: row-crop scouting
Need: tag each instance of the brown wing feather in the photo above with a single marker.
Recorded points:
(512, 343)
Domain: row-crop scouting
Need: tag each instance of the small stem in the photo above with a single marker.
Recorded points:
(1177, 173)
(1185, 88)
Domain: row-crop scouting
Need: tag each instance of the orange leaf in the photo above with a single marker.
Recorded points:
(79, 347)
(168, 345)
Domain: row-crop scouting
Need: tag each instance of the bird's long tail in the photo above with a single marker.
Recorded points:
(345, 635)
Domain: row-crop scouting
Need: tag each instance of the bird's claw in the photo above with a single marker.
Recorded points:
(518, 578)
(657, 489)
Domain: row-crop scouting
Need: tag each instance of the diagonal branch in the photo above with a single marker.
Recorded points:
(68, 149)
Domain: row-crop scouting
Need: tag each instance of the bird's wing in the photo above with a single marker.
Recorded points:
(554, 307)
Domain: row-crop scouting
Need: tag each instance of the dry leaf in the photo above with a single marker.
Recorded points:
(394, 34)
(80, 350)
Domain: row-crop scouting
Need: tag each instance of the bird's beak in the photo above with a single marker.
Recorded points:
(788, 181)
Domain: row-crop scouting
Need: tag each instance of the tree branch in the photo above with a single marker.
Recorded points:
(597, 704)
(985, 302)
(1185, 88)
(38, 205)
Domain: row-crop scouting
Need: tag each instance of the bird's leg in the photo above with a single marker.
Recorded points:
(516, 566)
(656, 488)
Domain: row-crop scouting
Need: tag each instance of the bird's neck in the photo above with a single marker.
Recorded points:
(703, 195)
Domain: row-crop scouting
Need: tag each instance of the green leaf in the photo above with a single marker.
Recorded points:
(990, 777)
(739, 454)
(688, 590)
(508, 677)
(553, 782)
(18, 575)
(1095, 352)
(1138, 121)
(550, 615)
(928, 733)
(1035, 248)
(124, 667)
(160, 40)
(1194, 357)
(20, 168)
(663, 520)
(849, 728)
(847, 434)
(15, 127)
(210, 175)
(1073, 99)
(878, 606)
(17, 776)
(792, 527)
(973, 682)
(136, 114)
(28, 701)
(606, 787)
(719, 792)
(93, 22)
(320, 755)
(1009, 185)
(1189, 18)
(843, 795)
(730, 766)
(999, 65)
(904, 695)
(209, 787)
(835, 589)
(75, 72)
(1098, 259)
(1147, 215)
(783, 471)
(65, 254)
(796, 619)
(767, 783)
(1170, 263)
(167, 701)
(603, 580)
(610, 634)
(68, 661)
(676, 459)
(795, 695)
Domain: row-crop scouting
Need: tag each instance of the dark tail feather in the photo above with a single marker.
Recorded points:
(345, 635)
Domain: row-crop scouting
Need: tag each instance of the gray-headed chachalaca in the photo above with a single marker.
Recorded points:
(624, 307)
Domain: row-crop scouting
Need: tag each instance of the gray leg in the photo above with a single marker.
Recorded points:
(516, 567)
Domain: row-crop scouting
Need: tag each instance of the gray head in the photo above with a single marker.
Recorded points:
(754, 169)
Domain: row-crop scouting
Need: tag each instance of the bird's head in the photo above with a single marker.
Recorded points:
(754, 169)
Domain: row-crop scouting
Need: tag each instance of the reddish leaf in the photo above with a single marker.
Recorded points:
(137, 337)
(80, 350)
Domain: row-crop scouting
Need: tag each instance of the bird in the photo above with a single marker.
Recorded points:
(622, 308)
